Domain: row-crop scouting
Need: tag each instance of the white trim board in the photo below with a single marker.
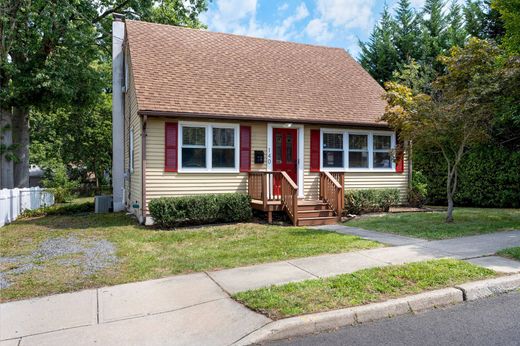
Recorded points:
(300, 150)
(209, 145)
(346, 133)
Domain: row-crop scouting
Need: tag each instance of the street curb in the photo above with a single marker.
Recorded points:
(319, 322)
(482, 289)
(323, 321)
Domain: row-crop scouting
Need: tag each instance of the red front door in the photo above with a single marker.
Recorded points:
(285, 156)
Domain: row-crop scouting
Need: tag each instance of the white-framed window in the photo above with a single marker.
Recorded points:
(333, 153)
(208, 147)
(356, 150)
(382, 151)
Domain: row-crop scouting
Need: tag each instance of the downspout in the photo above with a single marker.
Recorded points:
(126, 130)
(143, 168)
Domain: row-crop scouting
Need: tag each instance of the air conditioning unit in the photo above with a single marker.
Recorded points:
(104, 204)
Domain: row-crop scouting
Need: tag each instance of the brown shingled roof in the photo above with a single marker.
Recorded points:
(180, 71)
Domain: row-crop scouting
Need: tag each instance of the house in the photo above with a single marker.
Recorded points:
(202, 112)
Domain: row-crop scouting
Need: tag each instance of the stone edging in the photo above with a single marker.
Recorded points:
(319, 322)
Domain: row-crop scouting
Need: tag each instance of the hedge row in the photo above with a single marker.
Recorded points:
(61, 209)
(370, 200)
(168, 212)
(489, 177)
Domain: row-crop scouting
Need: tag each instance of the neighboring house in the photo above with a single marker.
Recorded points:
(208, 112)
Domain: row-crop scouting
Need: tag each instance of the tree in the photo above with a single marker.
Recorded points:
(482, 20)
(76, 137)
(45, 58)
(458, 115)
(379, 56)
(415, 76)
(433, 27)
(510, 15)
(456, 33)
(48, 53)
(406, 32)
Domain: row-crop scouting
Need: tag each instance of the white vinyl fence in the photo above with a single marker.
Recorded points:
(14, 201)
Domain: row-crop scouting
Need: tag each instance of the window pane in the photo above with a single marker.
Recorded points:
(289, 148)
(223, 158)
(382, 142)
(359, 142)
(332, 158)
(358, 159)
(333, 141)
(193, 158)
(193, 135)
(223, 137)
(278, 148)
(382, 160)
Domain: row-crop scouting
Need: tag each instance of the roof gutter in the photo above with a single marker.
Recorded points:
(152, 113)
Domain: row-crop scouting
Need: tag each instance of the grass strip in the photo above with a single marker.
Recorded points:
(361, 287)
(512, 253)
(431, 225)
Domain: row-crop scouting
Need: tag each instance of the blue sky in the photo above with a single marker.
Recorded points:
(337, 23)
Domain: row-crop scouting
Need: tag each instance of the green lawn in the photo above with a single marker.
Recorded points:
(431, 225)
(361, 287)
(55, 254)
(512, 252)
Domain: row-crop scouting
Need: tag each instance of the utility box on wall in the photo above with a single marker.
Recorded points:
(259, 156)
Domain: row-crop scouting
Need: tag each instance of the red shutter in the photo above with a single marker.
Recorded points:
(245, 148)
(399, 159)
(170, 147)
(315, 150)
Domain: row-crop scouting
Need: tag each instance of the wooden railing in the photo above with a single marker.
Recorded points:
(331, 190)
(290, 197)
(263, 186)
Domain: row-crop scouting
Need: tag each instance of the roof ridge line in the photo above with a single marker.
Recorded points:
(238, 35)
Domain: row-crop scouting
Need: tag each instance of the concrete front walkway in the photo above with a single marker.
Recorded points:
(196, 308)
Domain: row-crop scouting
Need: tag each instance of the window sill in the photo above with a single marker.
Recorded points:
(367, 170)
(213, 171)
(359, 170)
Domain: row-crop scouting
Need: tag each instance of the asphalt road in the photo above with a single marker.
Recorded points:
(491, 321)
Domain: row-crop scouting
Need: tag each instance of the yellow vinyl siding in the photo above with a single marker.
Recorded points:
(354, 180)
(133, 182)
(169, 184)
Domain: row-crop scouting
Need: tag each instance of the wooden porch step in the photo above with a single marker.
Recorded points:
(315, 213)
(312, 205)
(317, 221)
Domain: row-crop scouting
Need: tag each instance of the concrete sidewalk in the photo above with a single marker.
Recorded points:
(196, 308)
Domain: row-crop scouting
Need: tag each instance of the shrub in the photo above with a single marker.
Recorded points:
(66, 209)
(58, 182)
(201, 209)
(370, 200)
(488, 177)
(419, 190)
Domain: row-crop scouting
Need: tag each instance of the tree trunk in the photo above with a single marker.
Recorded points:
(449, 215)
(450, 189)
(21, 139)
(6, 140)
